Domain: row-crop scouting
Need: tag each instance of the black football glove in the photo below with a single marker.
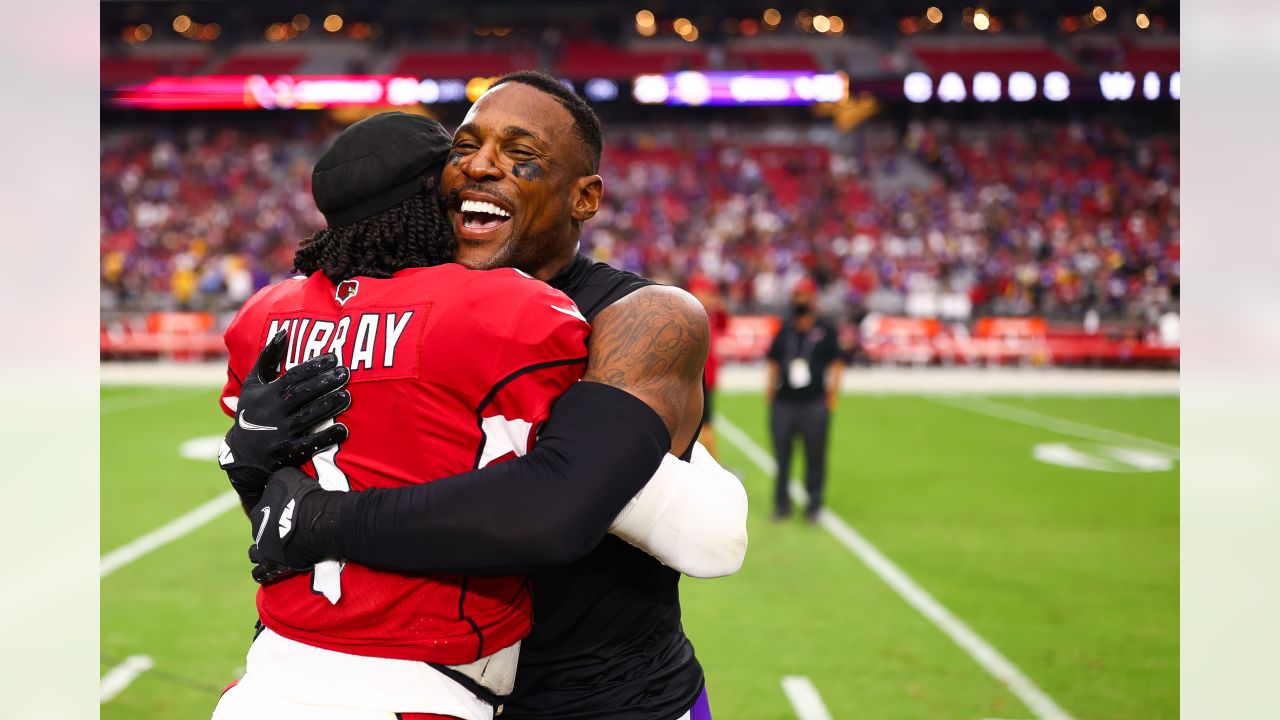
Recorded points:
(266, 572)
(295, 525)
(277, 414)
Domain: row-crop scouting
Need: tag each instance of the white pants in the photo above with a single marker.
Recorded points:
(288, 679)
(249, 700)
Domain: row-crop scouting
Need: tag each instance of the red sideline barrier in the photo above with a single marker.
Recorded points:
(747, 337)
(885, 340)
(167, 335)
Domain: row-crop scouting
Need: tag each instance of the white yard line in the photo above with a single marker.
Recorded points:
(161, 536)
(150, 398)
(119, 677)
(975, 380)
(991, 408)
(804, 698)
(979, 649)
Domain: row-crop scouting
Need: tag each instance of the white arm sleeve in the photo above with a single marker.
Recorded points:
(691, 516)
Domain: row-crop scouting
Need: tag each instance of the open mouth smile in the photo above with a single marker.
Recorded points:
(481, 218)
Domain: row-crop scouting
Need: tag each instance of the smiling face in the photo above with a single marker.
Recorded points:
(518, 183)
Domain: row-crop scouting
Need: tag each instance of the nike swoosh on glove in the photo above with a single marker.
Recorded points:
(277, 417)
(295, 523)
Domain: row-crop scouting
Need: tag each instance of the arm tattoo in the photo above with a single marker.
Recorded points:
(653, 344)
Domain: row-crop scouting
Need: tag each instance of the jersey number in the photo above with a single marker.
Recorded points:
(326, 577)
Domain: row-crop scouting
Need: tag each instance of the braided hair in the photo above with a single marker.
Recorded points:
(415, 233)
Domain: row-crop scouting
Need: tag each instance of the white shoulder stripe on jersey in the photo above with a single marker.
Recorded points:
(502, 436)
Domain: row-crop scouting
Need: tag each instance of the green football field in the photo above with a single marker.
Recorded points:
(1031, 538)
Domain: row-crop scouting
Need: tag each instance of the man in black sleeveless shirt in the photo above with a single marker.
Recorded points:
(607, 629)
(607, 640)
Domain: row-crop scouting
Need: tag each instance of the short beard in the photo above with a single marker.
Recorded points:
(503, 257)
(527, 255)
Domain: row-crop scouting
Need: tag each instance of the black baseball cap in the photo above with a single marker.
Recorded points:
(375, 164)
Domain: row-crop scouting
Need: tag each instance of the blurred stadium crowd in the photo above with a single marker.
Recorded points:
(200, 218)
(932, 218)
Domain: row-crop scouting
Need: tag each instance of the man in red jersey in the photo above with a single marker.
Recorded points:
(451, 370)
(608, 642)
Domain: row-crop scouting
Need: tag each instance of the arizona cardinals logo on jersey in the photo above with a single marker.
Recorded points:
(347, 289)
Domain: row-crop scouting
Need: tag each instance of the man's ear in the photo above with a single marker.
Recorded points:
(587, 193)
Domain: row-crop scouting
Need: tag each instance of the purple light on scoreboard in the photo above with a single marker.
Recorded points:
(740, 88)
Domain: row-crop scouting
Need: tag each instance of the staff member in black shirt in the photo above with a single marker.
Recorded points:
(804, 382)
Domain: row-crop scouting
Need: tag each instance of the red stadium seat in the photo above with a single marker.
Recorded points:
(970, 60)
(260, 64)
(584, 59)
(121, 70)
(773, 60)
(460, 65)
(1158, 59)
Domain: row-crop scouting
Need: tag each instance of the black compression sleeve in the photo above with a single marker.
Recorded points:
(598, 448)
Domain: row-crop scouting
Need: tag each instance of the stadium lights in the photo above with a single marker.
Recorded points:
(1099, 14)
(837, 25)
(772, 18)
(1175, 85)
(933, 15)
(1142, 21)
(301, 22)
(685, 29)
(136, 34)
(821, 23)
(333, 23)
(188, 28)
(981, 20)
(646, 24)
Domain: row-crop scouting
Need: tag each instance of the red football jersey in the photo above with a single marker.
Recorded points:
(452, 369)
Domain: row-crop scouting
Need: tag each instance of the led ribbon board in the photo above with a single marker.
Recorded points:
(308, 92)
(693, 88)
